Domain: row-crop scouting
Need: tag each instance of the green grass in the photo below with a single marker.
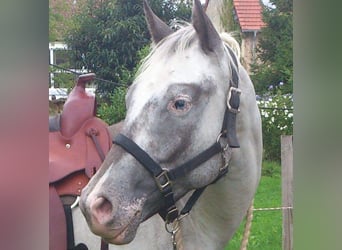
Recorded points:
(266, 230)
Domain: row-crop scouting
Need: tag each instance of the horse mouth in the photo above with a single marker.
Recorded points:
(125, 234)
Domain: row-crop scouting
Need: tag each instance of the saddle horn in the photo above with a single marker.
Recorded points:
(158, 29)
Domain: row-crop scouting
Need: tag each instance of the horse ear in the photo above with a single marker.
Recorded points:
(158, 29)
(208, 36)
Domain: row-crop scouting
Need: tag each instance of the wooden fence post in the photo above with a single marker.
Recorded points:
(287, 190)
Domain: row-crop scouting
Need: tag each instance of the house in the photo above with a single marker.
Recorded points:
(248, 14)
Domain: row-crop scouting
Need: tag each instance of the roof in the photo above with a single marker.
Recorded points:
(249, 14)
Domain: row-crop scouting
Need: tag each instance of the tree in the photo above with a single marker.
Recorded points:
(109, 34)
(274, 50)
(60, 21)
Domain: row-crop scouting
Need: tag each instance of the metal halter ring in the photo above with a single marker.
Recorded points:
(220, 135)
(172, 227)
(223, 133)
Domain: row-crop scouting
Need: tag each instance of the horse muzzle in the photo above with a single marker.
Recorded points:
(116, 225)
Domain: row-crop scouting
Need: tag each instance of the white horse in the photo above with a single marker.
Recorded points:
(176, 111)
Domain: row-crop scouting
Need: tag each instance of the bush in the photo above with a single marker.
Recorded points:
(115, 110)
(277, 119)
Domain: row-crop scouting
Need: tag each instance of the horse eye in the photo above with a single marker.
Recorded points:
(180, 105)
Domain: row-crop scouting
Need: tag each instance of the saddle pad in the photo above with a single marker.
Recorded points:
(72, 185)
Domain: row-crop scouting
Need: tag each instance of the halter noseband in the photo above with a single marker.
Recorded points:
(165, 178)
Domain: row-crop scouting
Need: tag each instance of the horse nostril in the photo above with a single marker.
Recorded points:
(101, 209)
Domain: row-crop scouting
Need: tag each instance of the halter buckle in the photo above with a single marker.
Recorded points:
(237, 92)
(162, 180)
(172, 214)
(181, 216)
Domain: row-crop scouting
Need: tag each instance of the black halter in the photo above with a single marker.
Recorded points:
(165, 178)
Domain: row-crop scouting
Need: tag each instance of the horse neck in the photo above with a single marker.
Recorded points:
(209, 225)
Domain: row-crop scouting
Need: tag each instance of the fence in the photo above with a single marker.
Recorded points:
(287, 190)
(287, 198)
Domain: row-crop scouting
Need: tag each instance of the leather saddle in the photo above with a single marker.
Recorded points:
(78, 143)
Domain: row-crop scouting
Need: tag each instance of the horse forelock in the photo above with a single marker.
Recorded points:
(178, 42)
(175, 43)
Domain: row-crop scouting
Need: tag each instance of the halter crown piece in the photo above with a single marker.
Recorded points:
(164, 178)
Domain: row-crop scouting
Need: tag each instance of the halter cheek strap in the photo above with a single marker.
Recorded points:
(233, 103)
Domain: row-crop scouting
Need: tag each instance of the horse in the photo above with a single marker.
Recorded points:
(189, 149)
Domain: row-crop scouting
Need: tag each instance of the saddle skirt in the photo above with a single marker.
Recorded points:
(78, 153)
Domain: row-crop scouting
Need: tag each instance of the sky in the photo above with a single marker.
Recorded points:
(266, 2)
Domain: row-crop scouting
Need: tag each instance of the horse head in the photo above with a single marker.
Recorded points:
(175, 111)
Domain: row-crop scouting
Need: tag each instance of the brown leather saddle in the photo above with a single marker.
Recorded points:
(78, 143)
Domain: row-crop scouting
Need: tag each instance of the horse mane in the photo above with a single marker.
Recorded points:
(231, 42)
